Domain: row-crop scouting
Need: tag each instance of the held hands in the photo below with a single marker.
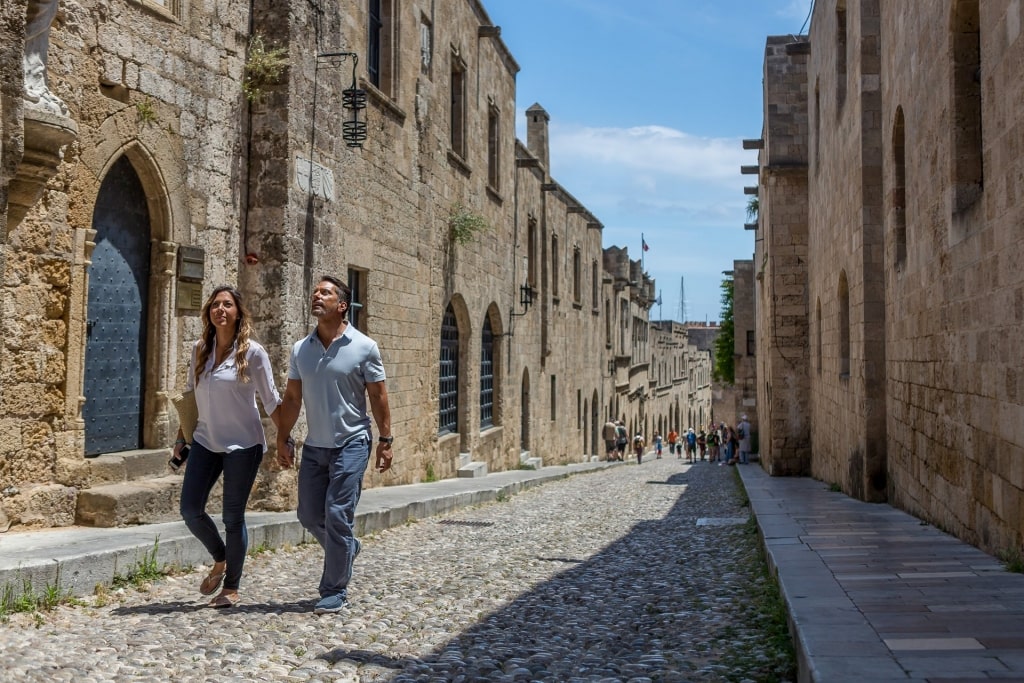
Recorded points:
(384, 455)
(285, 451)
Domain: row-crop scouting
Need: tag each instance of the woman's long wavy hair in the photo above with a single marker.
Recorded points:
(243, 331)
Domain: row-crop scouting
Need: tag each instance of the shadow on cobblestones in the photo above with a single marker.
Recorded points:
(657, 603)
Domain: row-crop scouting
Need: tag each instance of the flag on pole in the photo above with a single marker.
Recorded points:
(643, 243)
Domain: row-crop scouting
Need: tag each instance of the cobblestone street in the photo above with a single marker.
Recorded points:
(629, 574)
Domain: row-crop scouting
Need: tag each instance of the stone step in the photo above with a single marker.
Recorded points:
(535, 463)
(147, 501)
(473, 469)
(127, 466)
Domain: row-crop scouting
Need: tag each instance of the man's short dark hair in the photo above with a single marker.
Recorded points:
(344, 291)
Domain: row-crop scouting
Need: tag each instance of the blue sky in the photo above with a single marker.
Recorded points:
(649, 105)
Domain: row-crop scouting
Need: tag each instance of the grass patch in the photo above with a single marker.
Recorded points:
(525, 466)
(259, 549)
(430, 475)
(28, 599)
(145, 571)
(835, 488)
(1012, 559)
(760, 609)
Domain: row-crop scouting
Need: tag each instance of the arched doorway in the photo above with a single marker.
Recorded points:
(118, 311)
(595, 426)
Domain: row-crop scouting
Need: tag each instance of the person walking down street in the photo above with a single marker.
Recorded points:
(702, 443)
(657, 445)
(638, 447)
(691, 445)
(713, 439)
(608, 434)
(332, 372)
(227, 370)
(673, 438)
(743, 434)
(621, 440)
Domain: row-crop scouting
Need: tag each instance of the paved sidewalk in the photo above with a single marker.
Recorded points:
(876, 595)
(79, 558)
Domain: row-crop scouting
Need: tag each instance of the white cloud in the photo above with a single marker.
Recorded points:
(653, 148)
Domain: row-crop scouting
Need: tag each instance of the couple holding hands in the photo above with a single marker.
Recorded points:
(332, 371)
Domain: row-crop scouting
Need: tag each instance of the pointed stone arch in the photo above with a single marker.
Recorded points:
(157, 163)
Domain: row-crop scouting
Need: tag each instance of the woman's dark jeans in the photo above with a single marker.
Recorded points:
(201, 473)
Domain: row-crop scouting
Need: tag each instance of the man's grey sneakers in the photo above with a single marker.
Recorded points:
(330, 604)
(336, 603)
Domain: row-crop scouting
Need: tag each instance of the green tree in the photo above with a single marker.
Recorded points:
(725, 343)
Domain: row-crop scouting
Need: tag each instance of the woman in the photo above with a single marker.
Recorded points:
(227, 370)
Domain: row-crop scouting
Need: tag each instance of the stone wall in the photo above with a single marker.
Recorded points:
(955, 292)
(781, 262)
(272, 195)
(914, 297)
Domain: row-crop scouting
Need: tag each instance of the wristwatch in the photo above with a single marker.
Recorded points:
(386, 439)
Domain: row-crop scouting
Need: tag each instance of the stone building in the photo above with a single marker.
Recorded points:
(164, 157)
(897, 209)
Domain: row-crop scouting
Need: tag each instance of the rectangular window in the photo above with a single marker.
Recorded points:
(381, 45)
(554, 266)
(554, 399)
(458, 106)
(357, 313)
(577, 276)
(493, 146)
(751, 344)
(531, 253)
(426, 45)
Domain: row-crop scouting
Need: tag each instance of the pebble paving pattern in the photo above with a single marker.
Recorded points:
(635, 573)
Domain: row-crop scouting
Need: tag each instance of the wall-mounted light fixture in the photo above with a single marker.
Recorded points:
(526, 294)
(353, 98)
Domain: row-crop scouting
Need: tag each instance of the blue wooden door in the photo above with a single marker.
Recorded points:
(116, 321)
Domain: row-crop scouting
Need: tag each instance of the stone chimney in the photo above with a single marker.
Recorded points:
(537, 133)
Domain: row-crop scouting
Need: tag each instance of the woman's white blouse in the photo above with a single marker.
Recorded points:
(228, 417)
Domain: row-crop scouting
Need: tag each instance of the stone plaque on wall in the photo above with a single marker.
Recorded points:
(311, 174)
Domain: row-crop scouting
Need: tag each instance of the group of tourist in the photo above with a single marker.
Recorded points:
(332, 371)
(719, 442)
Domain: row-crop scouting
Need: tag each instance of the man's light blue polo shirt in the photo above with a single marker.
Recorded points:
(334, 384)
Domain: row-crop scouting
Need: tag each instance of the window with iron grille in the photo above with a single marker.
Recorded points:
(448, 377)
(487, 375)
(356, 315)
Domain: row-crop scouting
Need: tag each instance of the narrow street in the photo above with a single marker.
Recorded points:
(629, 574)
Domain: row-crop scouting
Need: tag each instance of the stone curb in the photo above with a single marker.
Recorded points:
(78, 560)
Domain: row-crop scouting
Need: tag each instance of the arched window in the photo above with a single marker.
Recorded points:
(448, 375)
(487, 375)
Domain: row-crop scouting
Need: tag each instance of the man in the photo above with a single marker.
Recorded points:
(621, 440)
(332, 371)
(743, 433)
(673, 436)
(608, 433)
